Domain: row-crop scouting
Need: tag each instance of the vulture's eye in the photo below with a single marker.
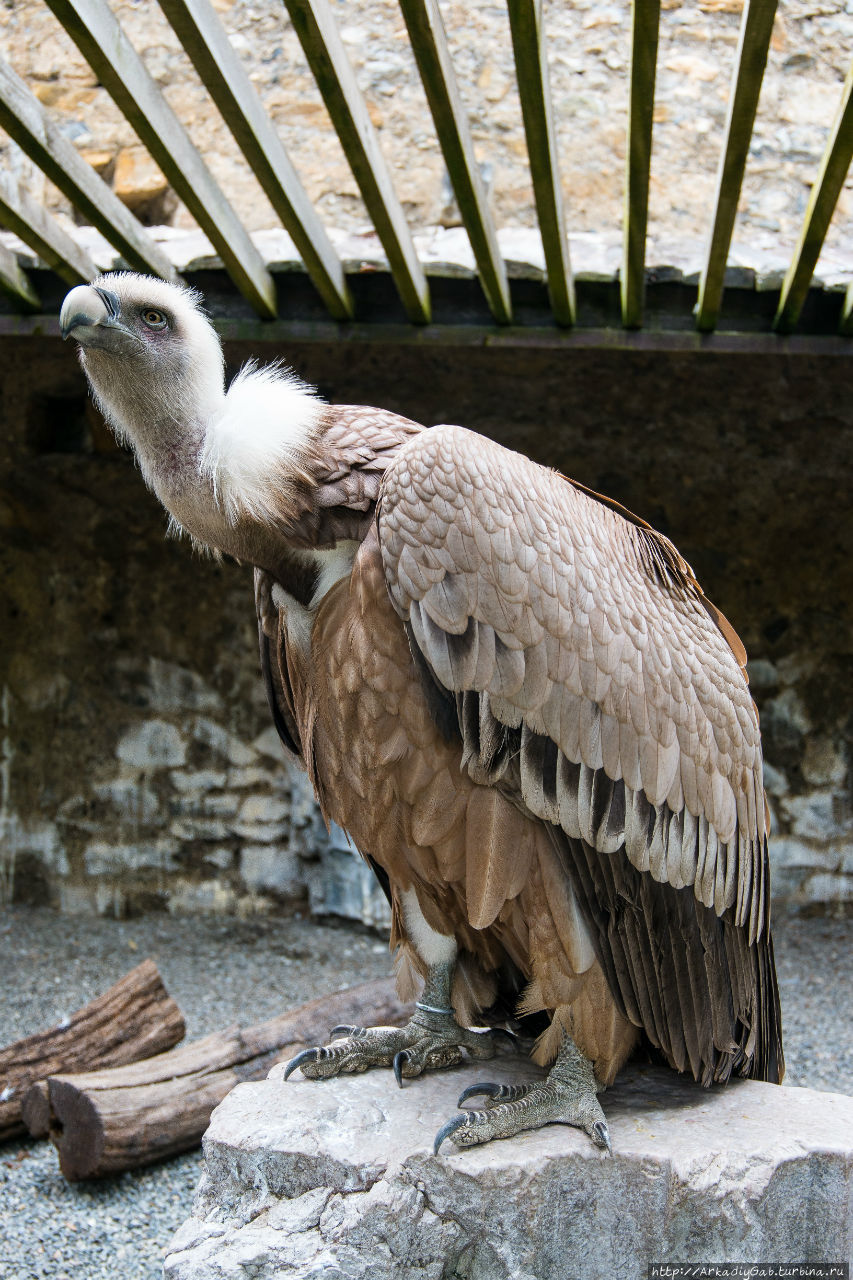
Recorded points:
(154, 319)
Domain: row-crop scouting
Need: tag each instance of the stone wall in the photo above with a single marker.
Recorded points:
(138, 765)
(138, 768)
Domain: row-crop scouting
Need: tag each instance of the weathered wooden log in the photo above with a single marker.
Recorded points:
(136, 1018)
(103, 1122)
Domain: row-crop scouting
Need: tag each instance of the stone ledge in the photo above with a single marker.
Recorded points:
(446, 252)
(338, 1179)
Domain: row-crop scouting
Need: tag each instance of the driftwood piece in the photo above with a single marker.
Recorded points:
(136, 1018)
(105, 1121)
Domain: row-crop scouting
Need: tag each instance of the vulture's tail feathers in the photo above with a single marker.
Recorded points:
(704, 997)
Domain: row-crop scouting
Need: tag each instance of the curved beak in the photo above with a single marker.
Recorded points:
(93, 316)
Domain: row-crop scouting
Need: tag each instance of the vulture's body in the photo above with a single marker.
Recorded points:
(512, 694)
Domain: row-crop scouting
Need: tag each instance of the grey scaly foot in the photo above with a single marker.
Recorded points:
(431, 1040)
(567, 1096)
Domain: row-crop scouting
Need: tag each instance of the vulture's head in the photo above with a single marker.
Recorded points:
(218, 461)
(147, 349)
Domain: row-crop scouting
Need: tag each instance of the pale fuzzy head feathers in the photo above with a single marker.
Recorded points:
(156, 377)
(258, 442)
(155, 365)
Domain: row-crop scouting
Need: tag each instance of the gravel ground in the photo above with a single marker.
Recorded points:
(219, 972)
(223, 971)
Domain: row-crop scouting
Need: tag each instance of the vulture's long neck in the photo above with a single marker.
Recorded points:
(233, 470)
(161, 413)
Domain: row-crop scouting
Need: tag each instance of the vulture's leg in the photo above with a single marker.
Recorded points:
(431, 1040)
(566, 1096)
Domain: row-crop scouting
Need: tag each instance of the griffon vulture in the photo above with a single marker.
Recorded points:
(511, 692)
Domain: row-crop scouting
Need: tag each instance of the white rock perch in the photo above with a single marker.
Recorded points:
(337, 1179)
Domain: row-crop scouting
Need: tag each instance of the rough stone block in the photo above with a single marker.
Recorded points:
(196, 781)
(132, 801)
(198, 828)
(261, 808)
(338, 1179)
(104, 859)
(815, 815)
(342, 884)
(221, 743)
(268, 744)
(786, 716)
(824, 762)
(225, 804)
(137, 179)
(222, 857)
(785, 851)
(153, 745)
(33, 836)
(266, 867)
(191, 804)
(254, 776)
(788, 883)
(263, 832)
(824, 887)
(77, 899)
(178, 688)
(209, 897)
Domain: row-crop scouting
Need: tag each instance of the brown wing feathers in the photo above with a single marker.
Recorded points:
(588, 710)
(705, 997)
(346, 464)
(591, 682)
(703, 994)
(279, 697)
(334, 499)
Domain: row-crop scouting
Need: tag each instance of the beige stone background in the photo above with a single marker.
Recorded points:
(588, 43)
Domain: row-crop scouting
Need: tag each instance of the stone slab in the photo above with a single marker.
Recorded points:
(337, 1179)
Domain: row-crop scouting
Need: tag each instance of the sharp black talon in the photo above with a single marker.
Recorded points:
(342, 1030)
(449, 1128)
(488, 1089)
(399, 1059)
(601, 1136)
(307, 1055)
(510, 1035)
